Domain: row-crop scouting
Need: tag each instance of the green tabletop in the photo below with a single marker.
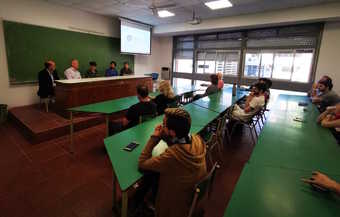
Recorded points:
(108, 107)
(220, 101)
(116, 105)
(200, 116)
(289, 144)
(276, 192)
(125, 164)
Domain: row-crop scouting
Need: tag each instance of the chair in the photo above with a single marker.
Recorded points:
(187, 97)
(144, 118)
(215, 136)
(250, 124)
(175, 103)
(203, 188)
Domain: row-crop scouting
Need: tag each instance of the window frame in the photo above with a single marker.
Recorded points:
(238, 51)
(275, 52)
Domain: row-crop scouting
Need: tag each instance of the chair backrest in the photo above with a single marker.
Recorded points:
(203, 188)
(205, 185)
(144, 118)
(174, 103)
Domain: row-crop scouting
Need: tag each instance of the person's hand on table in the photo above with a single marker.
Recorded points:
(323, 181)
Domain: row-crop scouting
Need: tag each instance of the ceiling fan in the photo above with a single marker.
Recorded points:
(195, 19)
(155, 8)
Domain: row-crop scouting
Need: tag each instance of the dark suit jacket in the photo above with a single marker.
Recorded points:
(46, 87)
(123, 71)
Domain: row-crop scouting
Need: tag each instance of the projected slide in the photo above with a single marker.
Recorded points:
(135, 40)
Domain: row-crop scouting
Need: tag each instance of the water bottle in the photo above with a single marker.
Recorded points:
(234, 89)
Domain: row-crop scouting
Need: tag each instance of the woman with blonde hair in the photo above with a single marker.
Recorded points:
(165, 97)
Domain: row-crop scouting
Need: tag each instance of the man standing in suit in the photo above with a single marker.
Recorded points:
(46, 78)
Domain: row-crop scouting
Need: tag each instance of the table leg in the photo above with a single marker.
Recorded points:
(114, 191)
(124, 203)
(107, 121)
(71, 133)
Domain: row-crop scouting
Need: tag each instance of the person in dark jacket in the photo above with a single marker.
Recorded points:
(166, 97)
(92, 71)
(126, 70)
(47, 78)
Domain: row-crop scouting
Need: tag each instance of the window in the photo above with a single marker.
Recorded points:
(210, 62)
(183, 61)
(252, 65)
(284, 54)
(266, 69)
(289, 65)
(283, 63)
(302, 66)
(181, 82)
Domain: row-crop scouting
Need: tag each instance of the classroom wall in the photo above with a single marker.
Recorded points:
(42, 13)
(328, 63)
(161, 56)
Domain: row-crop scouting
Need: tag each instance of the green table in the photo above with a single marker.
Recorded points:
(221, 101)
(200, 117)
(289, 144)
(276, 192)
(111, 106)
(125, 164)
(286, 152)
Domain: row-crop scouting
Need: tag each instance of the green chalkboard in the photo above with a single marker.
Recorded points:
(29, 46)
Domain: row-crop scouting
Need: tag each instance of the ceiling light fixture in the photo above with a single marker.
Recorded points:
(219, 4)
(165, 13)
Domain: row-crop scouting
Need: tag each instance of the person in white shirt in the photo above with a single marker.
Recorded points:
(72, 72)
(255, 102)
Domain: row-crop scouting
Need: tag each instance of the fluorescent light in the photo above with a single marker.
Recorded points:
(219, 4)
(165, 13)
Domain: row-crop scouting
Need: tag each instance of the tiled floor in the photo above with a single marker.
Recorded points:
(46, 180)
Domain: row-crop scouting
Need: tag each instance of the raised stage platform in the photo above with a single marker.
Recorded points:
(38, 125)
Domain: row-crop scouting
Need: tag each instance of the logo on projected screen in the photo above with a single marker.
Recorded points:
(129, 38)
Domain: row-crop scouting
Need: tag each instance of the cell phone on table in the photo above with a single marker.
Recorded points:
(130, 147)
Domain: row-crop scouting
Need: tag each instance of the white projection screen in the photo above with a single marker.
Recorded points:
(135, 38)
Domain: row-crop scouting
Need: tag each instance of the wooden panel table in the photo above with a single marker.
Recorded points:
(78, 92)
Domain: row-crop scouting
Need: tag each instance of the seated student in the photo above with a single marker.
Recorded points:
(213, 88)
(92, 72)
(145, 106)
(180, 167)
(46, 78)
(220, 81)
(331, 117)
(72, 72)
(254, 102)
(314, 91)
(268, 84)
(112, 71)
(327, 97)
(167, 96)
(321, 180)
(126, 70)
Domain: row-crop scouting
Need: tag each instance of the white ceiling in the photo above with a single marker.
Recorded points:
(139, 9)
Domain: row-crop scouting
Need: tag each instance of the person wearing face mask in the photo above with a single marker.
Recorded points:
(254, 102)
(327, 96)
(180, 166)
